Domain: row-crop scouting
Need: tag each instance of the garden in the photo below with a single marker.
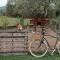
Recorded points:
(32, 15)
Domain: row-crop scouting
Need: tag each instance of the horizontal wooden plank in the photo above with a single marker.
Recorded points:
(6, 31)
(18, 34)
(18, 45)
(12, 36)
(18, 39)
(5, 39)
(12, 50)
(10, 39)
(18, 49)
(5, 34)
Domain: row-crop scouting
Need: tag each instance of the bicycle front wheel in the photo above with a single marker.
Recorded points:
(38, 48)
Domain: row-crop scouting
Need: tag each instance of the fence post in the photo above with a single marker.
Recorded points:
(12, 44)
(26, 42)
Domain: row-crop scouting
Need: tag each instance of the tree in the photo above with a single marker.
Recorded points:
(35, 8)
(10, 8)
(32, 8)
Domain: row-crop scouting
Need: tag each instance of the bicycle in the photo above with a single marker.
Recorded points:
(39, 45)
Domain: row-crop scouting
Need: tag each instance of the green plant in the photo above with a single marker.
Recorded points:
(4, 22)
(22, 21)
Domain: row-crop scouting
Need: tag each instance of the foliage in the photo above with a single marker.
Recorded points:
(36, 8)
(22, 21)
(10, 21)
(4, 21)
(10, 8)
(3, 10)
(32, 8)
(55, 23)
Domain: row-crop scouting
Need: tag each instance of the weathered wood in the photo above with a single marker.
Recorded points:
(12, 36)
(12, 41)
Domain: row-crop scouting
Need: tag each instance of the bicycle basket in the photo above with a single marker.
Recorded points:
(36, 36)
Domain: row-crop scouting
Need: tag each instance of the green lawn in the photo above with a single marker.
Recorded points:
(11, 21)
(29, 57)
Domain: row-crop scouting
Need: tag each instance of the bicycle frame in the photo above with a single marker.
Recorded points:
(57, 39)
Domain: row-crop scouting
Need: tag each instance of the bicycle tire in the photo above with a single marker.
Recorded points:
(33, 54)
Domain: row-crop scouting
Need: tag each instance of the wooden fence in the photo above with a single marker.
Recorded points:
(13, 42)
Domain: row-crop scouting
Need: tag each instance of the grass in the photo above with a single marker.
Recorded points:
(29, 57)
(11, 21)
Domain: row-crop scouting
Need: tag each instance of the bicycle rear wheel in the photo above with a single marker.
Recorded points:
(38, 48)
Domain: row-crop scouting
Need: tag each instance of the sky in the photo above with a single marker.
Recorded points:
(3, 3)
